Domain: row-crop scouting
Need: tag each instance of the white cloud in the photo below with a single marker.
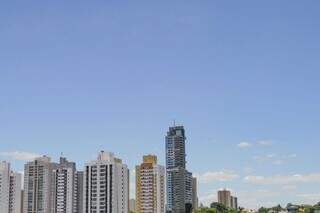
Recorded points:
(283, 179)
(248, 170)
(20, 155)
(289, 156)
(265, 143)
(244, 145)
(289, 187)
(274, 158)
(257, 198)
(208, 198)
(219, 176)
(264, 158)
(309, 198)
(278, 162)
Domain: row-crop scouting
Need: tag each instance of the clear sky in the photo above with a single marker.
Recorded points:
(241, 76)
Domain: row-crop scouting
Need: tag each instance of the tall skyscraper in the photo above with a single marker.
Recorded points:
(15, 192)
(106, 185)
(150, 192)
(4, 186)
(66, 190)
(178, 178)
(38, 185)
(10, 189)
(224, 197)
(79, 183)
(194, 194)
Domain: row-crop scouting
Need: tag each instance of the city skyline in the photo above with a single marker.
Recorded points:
(224, 176)
(77, 77)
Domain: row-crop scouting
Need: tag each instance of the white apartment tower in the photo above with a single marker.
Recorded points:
(66, 194)
(10, 189)
(106, 185)
(150, 188)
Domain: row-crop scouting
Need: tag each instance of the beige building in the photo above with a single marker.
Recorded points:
(194, 194)
(224, 197)
(38, 185)
(132, 205)
(150, 189)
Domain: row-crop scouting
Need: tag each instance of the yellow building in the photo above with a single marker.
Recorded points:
(150, 192)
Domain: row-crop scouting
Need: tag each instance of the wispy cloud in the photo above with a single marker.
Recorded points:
(244, 145)
(274, 158)
(265, 142)
(257, 198)
(219, 176)
(20, 155)
(291, 156)
(289, 187)
(309, 197)
(208, 198)
(283, 179)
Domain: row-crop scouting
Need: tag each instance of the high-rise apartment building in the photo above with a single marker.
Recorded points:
(150, 186)
(38, 185)
(4, 186)
(194, 194)
(179, 187)
(106, 185)
(79, 185)
(15, 192)
(224, 197)
(66, 191)
(10, 189)
(234, 202)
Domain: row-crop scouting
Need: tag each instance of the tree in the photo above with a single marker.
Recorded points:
(263, 210)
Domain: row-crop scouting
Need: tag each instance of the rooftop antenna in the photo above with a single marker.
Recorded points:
(174, 123)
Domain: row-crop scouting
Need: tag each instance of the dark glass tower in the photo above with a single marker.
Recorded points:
(176, 170)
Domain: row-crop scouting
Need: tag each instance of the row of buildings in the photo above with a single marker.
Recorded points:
(103, 185)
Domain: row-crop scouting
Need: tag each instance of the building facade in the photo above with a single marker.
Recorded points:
(106, 185)
(234, 202)
(188, 193)
(132, 205)
(10, 189)
(66, 189)
(194, 194)
(179, 187)
(224, 197)
(79, 185)
(150, 186)
(4, 186)
(38, 184)
(15, 192)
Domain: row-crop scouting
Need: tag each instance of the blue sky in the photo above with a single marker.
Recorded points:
(241, 76)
